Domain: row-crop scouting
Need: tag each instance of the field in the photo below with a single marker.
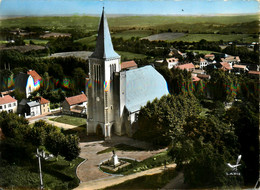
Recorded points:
(217, 37)
(128, 34)
(169, 36)
(130, 56)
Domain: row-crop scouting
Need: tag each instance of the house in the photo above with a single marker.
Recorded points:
(239, 68)
(187, 67)
(36, 78)
(231, 60)
(254, 74)
(32, 109)
(127, 65)
(175, 52)
(9, 104)
(172, 62)
(45, 105)
(27, 83)
(75, 104)
(209, 57)
(225, 66)
(203, 63)
(203, 76)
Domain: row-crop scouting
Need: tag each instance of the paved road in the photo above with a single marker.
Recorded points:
(114, 180)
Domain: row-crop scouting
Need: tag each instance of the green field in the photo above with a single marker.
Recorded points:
(128, 34)
(77, 121)
(201, 51)
(217, 37)
(36, 41)
(89, 41)
(130, 56)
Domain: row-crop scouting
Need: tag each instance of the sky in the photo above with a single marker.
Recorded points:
(133, 7)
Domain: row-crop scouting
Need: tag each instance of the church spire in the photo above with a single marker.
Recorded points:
(104, 47)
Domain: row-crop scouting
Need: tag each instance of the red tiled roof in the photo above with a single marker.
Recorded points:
(128, 64)
(225, 65)
(76, 99)
(186, 66)
(202, 60)
(195, 79)
(239, 66)
(209, 55)
(7, 99)
(42, 100)
(254, 72)
(36, 77)
(203, 76)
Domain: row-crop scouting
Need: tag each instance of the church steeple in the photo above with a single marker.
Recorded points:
(104, 47)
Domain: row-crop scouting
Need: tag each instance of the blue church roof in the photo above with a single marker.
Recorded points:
(142, 85)
(104, 47)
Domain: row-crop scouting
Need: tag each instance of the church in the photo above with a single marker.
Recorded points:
(114, 96)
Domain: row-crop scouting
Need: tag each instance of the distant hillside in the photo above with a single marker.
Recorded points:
(191, 24)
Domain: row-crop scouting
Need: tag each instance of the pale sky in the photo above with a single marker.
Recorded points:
(157, 7)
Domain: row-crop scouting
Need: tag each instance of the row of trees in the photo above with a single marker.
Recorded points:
(16, 129)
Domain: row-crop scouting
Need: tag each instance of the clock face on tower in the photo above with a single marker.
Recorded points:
(97, 98)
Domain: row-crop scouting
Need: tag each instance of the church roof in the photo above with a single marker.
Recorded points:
(104, 47)
(142, 85)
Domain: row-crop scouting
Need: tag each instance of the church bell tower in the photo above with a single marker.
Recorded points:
(102, 65)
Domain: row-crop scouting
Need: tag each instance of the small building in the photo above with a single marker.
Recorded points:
(209, 57)
(225, 66)
(172, 62)
(239, 68)
(231, 60)
(203, 76)
(9, 104)
(254, 74)
(28, 83)
(45, 105)
(188, 67)
(32, 109)
(127, 65)
(203, 63)
(75, 104)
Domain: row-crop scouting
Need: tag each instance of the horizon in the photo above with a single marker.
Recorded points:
(26, 8)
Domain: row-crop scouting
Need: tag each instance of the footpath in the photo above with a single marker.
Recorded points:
(114, 180)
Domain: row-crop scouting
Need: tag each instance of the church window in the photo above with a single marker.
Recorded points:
(105, 99)
(111, 107)
(106, 116)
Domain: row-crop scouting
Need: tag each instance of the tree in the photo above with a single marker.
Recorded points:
(161, 119)
(203, 147)
(70, 149)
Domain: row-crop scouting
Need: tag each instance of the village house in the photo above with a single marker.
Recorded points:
(225, 66)
(9, 104)
(32, 109)
(209, 57)
(231, 60)
(238, 69)
(203, 63)
(75, 104)
(188, 67)
(28, 83)
(45, 105)
(172, 62)
(127, 65)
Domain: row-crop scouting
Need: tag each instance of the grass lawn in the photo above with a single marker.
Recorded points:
(123, 147)
(129, 56)
(216, 37)
(36, 41)
(128, 34)
(3, 42)
(59, 174)
(71, 120)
